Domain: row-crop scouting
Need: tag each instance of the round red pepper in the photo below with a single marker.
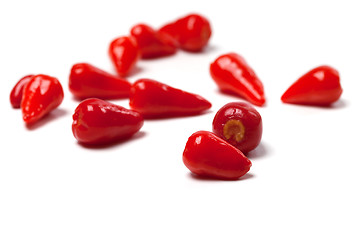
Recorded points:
(157, 100)
(96, 121)
(239, 124)
(151, 43)
(320, 86)
(17, 92)
(192, 32)
(232, 74)
(207, 155)
(87, 81)
(41, 95)
(124, 54)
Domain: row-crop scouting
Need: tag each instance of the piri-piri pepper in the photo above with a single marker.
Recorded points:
(152, 43)
(192, 32)
(232, 74)
(239, 124)
(86, 81)
(41, 95)
(124, 54)
(17, 92)
(320, 87)
(154, 99)
(207, 155)
(99, 122)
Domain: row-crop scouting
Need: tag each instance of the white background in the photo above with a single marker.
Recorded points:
(306, 178)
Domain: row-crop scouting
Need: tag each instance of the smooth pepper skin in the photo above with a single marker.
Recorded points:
(124, 54)
(192, 32)
(153, 44)
(87, 81)
(157, 100)
(320, 87)
(98, 122)
(239, 124)
(207, 155)
(16, 93)
(41, 95)
(232, 74)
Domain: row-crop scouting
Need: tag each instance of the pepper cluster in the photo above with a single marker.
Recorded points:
(237, 126)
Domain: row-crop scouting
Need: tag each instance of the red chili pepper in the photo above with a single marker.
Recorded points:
(87, 81)
(320, 86)
(157, 100)
(192, 32)
(17, 93)
(124, 54)
(239, 124)
(233, 75)
(153, 44)
(207, 155)
(41, 95)
(96, 121)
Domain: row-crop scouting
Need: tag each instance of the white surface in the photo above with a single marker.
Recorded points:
(306, 178)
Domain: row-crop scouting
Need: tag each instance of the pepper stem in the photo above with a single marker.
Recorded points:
(234, 128)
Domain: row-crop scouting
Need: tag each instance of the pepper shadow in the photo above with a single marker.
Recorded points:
(208, 179)
(230, 93)
(134, 71)
(123, 141)
(207, 49)
(261, 151)
(53, 115)
(108, 99)
(153, 59)
(176, 116)
(341, 103)
(238, 97)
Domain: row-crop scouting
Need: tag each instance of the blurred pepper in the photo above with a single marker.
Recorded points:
(17, 92)
(153, 44)
(192, 32)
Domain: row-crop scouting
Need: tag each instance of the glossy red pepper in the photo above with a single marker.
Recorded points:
(320, 86)
(41, 95)
(207, 155)
(124, 54)
(192, 32)
(239, 124)
(17, 92)
(151, 43)
(87, 81)
(157, 100)
(232, 74)
(96, 121)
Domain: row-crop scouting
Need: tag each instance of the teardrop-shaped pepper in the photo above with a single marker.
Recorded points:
(17, 92)
(232, 74)
(192, 32)
(96, 121)
(153, 44)
(207, 155)
(41, 95)
(87, 81)
(320, 86)
(124, 54)
(157, 100)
